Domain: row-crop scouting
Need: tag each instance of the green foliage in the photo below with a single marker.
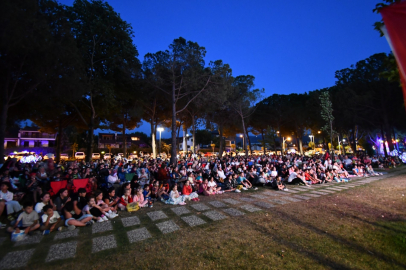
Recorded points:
(203, 136)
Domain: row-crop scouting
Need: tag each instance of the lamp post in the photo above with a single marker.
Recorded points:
(243, 141)
(160, 129)
(283, 145)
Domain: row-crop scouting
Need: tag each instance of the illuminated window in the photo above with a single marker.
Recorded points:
(135, 138)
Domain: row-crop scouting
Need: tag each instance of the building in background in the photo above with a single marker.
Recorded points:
(115, 140)
(28, 138)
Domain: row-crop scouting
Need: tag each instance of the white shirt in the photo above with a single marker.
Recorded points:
(53, 219)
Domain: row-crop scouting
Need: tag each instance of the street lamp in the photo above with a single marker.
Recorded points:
(283, 145)
(243, 143)
(160, 129)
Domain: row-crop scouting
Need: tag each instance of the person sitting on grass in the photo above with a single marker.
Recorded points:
(356, 171)
(187, 191)
(61, 199)
(6, 197)
(139, 197)
(230, 184)
(204, 188)
(278, 185)
(104, 206)
(296, 178)
(26, 221)
(111, 199)
(51, 220)
(213, 186)
(146, 192)
(94, 210)
(125, 199)
(75, 219)
(45, 200)
(33, 186)
(371, 171)
(175, 197)
(241, 180)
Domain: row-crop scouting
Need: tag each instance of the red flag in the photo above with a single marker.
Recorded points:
(394, 17)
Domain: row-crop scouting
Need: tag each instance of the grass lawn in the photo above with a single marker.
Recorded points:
(361, 227)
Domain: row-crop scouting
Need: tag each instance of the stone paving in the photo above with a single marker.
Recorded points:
(187, 214)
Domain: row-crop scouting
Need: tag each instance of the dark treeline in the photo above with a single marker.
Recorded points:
(77, 66)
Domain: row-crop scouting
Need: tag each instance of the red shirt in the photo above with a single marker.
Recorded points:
(187, 190)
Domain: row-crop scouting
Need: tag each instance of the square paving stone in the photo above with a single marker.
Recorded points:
(272, 193)
(319, 193)
(309, 196)
(103, 242)
(2, 239)
(16, 259)
(30, 239)
(66, 234)
(233, 212)
(291, 191)
(264, 205)
(291, 199)
(217, 204)
(278, 201)
(214, 215)
(130, 221)
(193, 220)
(259, 196)
(303, 197)
(181, 210)
(200, 207)
(247, 199)
(167, 226)
(62, 251)
(231, 201)
(250, 208)
(156, 215)
(138, 235)
(102, 227)
(328, 191)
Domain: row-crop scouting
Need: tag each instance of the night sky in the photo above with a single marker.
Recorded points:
(289, 46)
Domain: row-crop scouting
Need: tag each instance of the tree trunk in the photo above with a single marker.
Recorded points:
(221, 148)
(89, 149)
(248, 140)
(384, 145)
(245, 137)
(194, 134)
(300, 145)
(354, 141)
(184, 141)
(59, 142)
(173, 150)
(124, 139)
(3, 124)
(263, 140)
(153, 139)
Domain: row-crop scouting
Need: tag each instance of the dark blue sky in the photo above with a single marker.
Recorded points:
(289, 46)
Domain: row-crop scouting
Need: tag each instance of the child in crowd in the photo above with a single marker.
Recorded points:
(204, 188)
(51, 220)
(45, 200)
(103, 206)
(26, 221)
(175, 197)
(125, 199)
(139, 197)
(188, 192)
(93, 209)
(6, 197)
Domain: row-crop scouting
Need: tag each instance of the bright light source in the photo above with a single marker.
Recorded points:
(160, 129)
(288, 138)
(319, 131)
(277, 132)
(241, 136)
(311, 136)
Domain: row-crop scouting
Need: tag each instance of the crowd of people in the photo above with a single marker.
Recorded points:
(30, 203)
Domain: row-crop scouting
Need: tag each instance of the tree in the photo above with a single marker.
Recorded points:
(243, 100)
(35, 41)
(179, 72)
(106, 47)
(327, 114)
